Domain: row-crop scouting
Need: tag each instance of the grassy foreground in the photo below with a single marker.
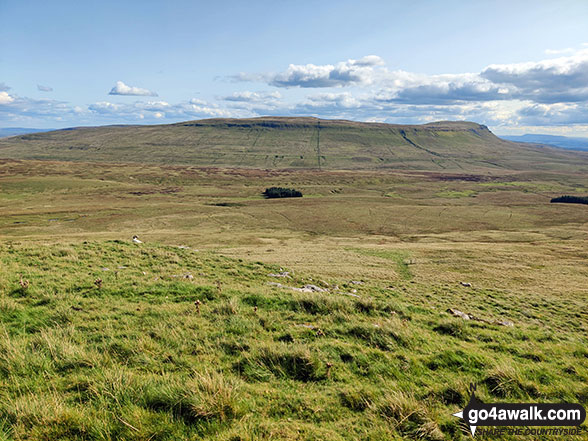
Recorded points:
(103, 339)
(133, 357)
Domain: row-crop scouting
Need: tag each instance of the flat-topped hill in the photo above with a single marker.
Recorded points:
(294, 142)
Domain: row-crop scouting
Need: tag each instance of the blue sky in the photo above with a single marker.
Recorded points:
(517, 66)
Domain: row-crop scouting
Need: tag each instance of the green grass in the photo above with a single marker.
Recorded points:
(134, 359)
(401, 260)
(456, 194)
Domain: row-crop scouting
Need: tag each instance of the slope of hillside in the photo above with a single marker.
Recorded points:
(279, 142)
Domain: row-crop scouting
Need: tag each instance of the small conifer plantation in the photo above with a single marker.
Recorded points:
(280, 192)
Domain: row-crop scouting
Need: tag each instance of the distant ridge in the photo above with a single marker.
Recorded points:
(15, 131)
(294, 142)
(564, 142)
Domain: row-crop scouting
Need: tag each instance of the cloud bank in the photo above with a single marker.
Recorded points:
(546, 93)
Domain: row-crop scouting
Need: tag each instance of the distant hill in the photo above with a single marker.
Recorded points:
(14, 131)
(564, 142)
(280, 142)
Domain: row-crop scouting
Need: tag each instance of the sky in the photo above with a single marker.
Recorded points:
(515, 66)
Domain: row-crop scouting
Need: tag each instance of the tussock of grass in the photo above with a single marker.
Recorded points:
(357, 399)
(319, 303)
(453, 328)
(449, 395)
(387, 336)
(506, 381)
(457, 360)
(294, 362)
(201, 398)
(291, 361)
(409, 416)
(227, 307)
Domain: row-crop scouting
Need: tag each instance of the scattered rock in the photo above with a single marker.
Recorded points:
(122, 267)
(282, 274)
(356, 282)
(105, 269)
(463, 315)
(479, 319)
(305, 288)
(458, 313)
(183, 276)
(306, 326)
(351, 294)
(311, 288)
(183, 247)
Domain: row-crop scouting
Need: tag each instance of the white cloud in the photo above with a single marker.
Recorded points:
(247, 96)
(197, 101)
(563, 79)
(156, 106)
(405, 87)
(346, 73)
(122, 89)
(192, 109)
(5, 98)
(344, 100)
(556, 114)
(22, 109)
(105, 107)
(369, 60)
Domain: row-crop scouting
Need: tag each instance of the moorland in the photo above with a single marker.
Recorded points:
(328, 316)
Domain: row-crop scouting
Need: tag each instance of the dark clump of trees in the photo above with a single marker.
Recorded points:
(279, 192)
(571, 199)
